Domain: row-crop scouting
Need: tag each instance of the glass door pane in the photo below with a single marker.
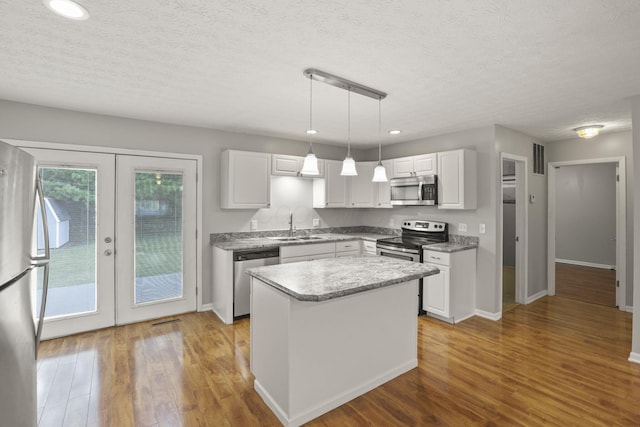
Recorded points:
(158, 236)
(70, 203)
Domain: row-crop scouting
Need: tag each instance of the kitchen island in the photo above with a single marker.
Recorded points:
(326, 331)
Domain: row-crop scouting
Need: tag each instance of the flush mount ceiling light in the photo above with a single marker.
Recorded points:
(394, 132)
(348, 165)
(379, 173)
(588, 131)
(310, 165)
(68, 9)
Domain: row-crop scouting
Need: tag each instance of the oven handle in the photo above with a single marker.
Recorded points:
(399, 255)
(396, 249)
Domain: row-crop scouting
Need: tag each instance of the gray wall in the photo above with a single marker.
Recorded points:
(586, 213)
(482, 141)
(635, 184)
(43, 124)
(513, 142)
(617, 144)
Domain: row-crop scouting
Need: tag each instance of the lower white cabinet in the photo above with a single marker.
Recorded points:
(309, 252)
(451, 294)
(369, 247)
(349, 248)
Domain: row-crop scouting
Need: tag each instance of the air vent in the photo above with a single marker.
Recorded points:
(538, 159)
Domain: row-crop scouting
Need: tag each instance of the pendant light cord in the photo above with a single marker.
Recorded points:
(349, 122)
(310, 111)
(379, 131)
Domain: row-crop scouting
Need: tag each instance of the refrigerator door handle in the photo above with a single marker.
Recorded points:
(43, 305)
(42, 259)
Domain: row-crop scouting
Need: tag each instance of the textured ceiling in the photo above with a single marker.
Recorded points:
(541, 67)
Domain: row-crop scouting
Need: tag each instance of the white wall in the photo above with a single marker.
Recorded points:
(635, 264)
(513, 142)
(586, 213)
(482, 141)
(617, 144)
(43, 124)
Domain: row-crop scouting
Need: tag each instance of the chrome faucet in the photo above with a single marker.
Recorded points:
(290, 224)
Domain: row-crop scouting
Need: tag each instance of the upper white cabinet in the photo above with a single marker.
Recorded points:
(284, 164)
(333, 190)
(383, 189)
(457, 180)
(424, 164)
(245, 179)
(363, 191)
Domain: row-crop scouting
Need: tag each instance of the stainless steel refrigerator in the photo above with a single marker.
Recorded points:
(23, 275)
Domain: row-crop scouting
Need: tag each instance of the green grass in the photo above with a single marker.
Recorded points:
(155, 254)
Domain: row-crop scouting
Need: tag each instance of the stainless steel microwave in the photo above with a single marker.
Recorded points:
(415, 190)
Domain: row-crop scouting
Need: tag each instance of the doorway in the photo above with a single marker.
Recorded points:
(587, 239)
(514, 220)
(123, 238)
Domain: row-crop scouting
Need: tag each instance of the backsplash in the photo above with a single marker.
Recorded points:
(222, 237)
(464, 240)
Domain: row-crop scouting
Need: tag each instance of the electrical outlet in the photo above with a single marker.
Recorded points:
(253, 224)
(482, 228)
(316, 222)
(462, 227)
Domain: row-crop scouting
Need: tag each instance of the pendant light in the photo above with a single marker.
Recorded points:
(310, 165)
(379, 173)
(348, 164)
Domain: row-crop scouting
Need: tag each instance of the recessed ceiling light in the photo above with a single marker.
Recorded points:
(588, 131)
(394, 132)
(312, 131)
(68, 9)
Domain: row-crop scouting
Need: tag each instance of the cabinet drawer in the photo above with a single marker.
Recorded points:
(352, 245)
(347, 253)
(369, 247)
(433, 257)
(311, 249)
(291, 259)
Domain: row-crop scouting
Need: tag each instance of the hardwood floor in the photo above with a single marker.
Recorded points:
(588, 284)
(553, 362)
(508, 286)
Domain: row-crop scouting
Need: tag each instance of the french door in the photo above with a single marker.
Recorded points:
(122, 236)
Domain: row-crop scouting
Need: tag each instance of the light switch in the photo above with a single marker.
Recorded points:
(253, 224)
(462, 227)
(316, 222)
(482, 228)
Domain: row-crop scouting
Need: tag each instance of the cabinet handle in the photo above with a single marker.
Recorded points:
(435, 257)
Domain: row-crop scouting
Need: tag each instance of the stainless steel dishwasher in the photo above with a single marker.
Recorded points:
(242, 260)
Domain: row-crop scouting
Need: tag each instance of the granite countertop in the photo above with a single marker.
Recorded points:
(325, 279)
(266, 242)
(450, 247)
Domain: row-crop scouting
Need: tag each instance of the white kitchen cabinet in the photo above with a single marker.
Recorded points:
(348, 248)
(332, 191)
(457, 180)
(308, 252)
(424, 164)
(450, 294)
(362, 189)
(286, 165)
(383, 189)
(245, 180)
(369, 247)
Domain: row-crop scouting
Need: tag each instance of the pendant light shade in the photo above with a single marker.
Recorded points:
(310, 165)
(380, 173)
(348, 164)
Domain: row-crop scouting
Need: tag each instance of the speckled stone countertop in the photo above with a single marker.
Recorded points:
(450, 247)
(267, 242)
(325, 279)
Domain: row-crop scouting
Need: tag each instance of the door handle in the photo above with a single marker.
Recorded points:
(517, 238)
(108, 252)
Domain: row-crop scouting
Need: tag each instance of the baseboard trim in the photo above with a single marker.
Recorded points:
(536, 296)
(488, 315)
(629, 309)
(206, 307)
(586, 264)
(634, 357)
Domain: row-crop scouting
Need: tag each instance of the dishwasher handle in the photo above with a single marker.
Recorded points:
(255, 254)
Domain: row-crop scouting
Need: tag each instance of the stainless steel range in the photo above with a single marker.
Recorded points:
(415, 234)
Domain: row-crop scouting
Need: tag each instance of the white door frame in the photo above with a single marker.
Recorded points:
(112, 150)
(522, 228)
(621, 225)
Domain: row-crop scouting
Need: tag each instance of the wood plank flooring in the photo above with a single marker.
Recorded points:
(553, 362)
(588, 284)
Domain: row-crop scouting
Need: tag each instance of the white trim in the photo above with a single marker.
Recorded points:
(205, 307)
(621, 224)
(585, 264)
(522, 228)
(537, 296)
(629, 309)
(634, 357)
(488, 315)
(114, 150)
